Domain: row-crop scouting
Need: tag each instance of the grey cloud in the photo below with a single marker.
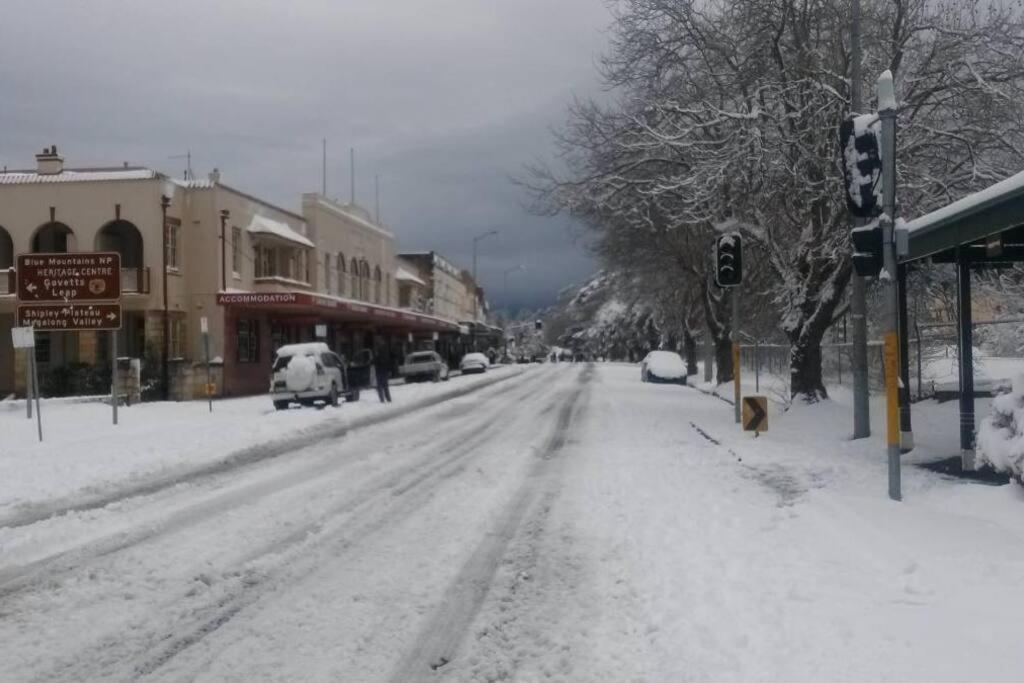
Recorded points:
(444, 99)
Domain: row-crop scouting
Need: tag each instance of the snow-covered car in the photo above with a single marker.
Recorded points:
(423, 365)
(474, 362)
(307, 374)
(666, 367)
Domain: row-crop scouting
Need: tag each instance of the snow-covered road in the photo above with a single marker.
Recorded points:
(568, 524)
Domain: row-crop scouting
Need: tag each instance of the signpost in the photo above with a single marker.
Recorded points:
(69, 278)
(70, 317)
(755, 414)
(25, 338)
(76, 292)
(210, 388)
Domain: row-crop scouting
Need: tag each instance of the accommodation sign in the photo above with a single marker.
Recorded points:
(69, 317)
(69, 278)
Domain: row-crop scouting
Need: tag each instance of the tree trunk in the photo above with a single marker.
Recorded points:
(690, 351)
(805, 371)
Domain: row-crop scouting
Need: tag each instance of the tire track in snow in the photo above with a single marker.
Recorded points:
(288, 560)
(46, 569)
(252, 455)
(441, 636)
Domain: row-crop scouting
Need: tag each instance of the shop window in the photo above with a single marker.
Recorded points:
(248, 341)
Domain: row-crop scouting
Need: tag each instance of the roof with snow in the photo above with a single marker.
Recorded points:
(261, 225)
(992, 211)
(77, 175)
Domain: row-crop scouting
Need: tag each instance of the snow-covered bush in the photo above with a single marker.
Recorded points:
(1001, 435)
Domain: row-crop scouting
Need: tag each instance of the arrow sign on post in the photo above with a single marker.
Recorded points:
(755, 414)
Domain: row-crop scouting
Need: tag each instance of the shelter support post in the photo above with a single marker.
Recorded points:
(965, 347)
(906, 433)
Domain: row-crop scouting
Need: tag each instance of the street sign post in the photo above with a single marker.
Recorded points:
(69, 278)
(204, 327)
(25, 338)
(70, 317)
(70, 292)
(755, 414)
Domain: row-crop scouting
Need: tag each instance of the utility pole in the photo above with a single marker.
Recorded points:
(887, 114)
(323, 172)
(165, 364)
(858, 293)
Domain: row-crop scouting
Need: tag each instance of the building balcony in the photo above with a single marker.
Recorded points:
(278, 283)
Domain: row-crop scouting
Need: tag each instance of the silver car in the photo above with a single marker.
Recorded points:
(308, 374)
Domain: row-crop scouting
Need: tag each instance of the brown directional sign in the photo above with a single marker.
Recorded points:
(755, 414)
(69, 317)
(69, 278)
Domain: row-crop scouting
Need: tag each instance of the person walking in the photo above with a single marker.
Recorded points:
(382, 373)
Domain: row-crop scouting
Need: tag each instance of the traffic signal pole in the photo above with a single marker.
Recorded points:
(735, 293)
(887, 114)
(858, 290)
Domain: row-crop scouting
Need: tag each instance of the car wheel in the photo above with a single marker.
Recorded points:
(332, 398)
(447, 375)
(353, 395)
(281, 405)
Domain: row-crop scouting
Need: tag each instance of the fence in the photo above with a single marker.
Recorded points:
(932, 370)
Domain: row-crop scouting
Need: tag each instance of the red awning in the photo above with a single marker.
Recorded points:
(328, 308)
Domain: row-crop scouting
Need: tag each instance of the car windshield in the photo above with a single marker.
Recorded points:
(281, 362)
(421, 358)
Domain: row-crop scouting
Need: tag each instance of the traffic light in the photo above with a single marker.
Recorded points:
(867, 250)
(729, 260)
(862, 164)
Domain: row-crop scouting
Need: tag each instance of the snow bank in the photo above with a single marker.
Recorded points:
(1001, 434)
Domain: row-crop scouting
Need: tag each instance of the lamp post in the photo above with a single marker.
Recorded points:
(224, 214)
(475, 297)
(165, 368)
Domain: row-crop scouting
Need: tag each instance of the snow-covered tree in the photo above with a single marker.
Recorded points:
(728, 113)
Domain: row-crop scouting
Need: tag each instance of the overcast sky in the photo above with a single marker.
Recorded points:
(444, 99)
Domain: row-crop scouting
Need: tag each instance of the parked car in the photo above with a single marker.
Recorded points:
(307, 374)
(666, 367)
(424, 365)
(474, 362)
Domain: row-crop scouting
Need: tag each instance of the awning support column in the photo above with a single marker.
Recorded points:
(965, 348)
(903, 329)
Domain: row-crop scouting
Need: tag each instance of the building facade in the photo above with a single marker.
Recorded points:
(259, 274)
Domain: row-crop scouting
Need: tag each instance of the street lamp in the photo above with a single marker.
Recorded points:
(165, 368)
(476, 298)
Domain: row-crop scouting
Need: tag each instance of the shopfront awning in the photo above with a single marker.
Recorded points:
(334, 309)
(261, 225)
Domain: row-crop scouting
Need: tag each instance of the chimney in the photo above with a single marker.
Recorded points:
(48, 163)
(215, 176)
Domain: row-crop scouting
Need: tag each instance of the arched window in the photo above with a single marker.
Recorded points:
(53, 238)
(327, 274)
(364, 280)
(354, 275)
(342, 271)
(124, 238)
(6, 253)
(376, 284)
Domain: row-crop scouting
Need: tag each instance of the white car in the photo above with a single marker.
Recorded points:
(424, 365)
(474, 362)
(307, 374)
(664, 367)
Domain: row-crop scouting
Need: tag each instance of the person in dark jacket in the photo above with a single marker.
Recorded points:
(382, 370)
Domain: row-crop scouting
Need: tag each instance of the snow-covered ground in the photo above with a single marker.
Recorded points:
(85, 459)
(570, 523)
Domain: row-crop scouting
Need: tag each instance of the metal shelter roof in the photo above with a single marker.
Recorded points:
(992, 211)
